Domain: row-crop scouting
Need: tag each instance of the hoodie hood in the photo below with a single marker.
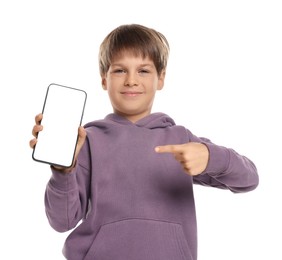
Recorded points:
(152, 121)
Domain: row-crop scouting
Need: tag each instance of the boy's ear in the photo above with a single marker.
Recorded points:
(161, 80)
(104, 83)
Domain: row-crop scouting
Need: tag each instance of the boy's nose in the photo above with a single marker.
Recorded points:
(131, 81)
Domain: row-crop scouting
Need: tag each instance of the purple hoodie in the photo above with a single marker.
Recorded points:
(134, 203)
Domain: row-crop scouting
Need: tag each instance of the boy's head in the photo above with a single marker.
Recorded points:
(140, 40)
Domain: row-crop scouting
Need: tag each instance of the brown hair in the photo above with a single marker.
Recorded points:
(138, 39)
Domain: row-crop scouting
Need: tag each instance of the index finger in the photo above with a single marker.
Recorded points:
(172, 148)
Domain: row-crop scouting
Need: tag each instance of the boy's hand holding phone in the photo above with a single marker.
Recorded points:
(81, 139)
(58, 131)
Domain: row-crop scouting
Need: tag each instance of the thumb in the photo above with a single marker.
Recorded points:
(81, 140)
(81, 136)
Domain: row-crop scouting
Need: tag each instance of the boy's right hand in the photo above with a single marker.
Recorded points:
(81, 139)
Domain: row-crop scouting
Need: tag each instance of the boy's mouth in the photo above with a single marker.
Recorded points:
(131, 93)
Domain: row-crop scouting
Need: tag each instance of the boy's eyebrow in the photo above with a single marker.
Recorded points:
(140, 65)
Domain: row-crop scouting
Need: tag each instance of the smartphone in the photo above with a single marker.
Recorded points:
(63, 110)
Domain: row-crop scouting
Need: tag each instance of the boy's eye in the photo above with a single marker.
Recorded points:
(143, 71)
(119, 71)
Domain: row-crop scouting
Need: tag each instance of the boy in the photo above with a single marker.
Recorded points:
(134, 198)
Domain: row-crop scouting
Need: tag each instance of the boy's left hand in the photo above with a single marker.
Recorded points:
(192, 156)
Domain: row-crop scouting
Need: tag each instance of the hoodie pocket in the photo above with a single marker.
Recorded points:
(140, 239)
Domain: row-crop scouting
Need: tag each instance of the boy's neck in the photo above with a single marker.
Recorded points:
(132, 118)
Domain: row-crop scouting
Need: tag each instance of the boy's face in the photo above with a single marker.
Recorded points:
(132, 82)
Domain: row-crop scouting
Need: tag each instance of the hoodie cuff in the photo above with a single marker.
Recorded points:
(218, 159)
(63, 181)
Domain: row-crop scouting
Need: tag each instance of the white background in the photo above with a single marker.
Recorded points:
(223, 82)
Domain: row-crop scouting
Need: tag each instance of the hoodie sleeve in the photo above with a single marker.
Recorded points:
(66, 196)
(227, 169)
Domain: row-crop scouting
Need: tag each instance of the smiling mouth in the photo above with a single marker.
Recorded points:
(131, 93)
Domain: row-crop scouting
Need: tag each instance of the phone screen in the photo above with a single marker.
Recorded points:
(62, 115)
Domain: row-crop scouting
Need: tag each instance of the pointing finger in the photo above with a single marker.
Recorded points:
(168, 149)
